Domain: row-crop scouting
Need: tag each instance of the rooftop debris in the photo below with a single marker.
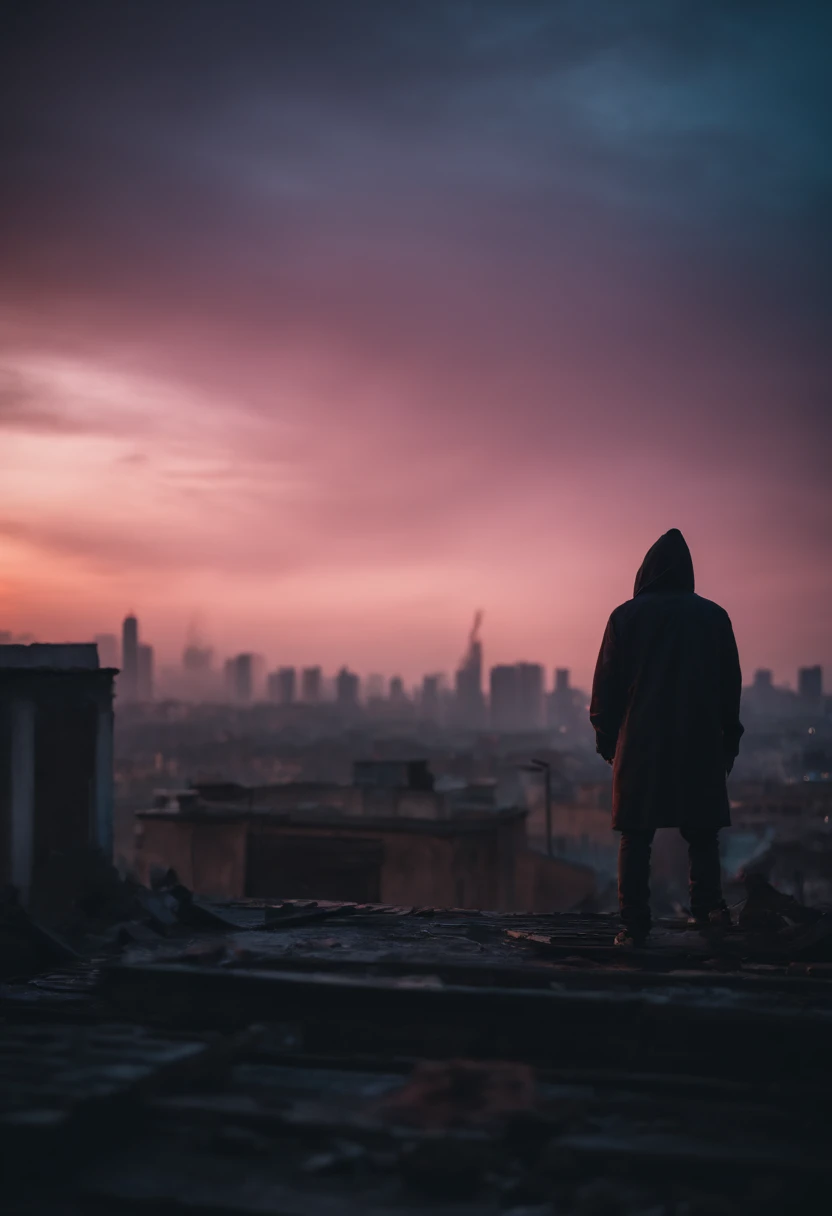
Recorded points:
(377, 1060)
(460, 1093)
(770, 910)
(26, 945)
(81, 903)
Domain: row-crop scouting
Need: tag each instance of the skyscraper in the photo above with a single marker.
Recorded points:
(197, 658)
(144, 673)
(562, 701)
(430, 699)
(810, 684)
(374, 687)
(503, 697)
(107, 644)
(470, 703)
(530, 682)
(239, 679)
(397, 693)
(762, 697)
(129, 678)
(310, 685)
(281, 686)
(346, 689)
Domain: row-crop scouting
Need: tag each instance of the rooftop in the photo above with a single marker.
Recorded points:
(52, 656)
(307, 1057)
(321, 816)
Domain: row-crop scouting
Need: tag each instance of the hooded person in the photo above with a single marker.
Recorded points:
(665, 709)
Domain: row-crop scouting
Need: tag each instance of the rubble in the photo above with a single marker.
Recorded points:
(80, 902)
(769, 910)
(460, 1093)
(389, 1063)
(25, 945)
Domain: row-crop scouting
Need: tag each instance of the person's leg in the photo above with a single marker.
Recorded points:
(634, 881)
(705, 871)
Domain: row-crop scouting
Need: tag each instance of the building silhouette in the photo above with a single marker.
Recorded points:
(469, 700)
(56, 779)
(374, 687)
(503, 697)
(346, 689)
(397, 693)
(810, 684)
(430, 698)
(197, 659)
(762, 697)
(311, 685)
(239, 679)
(144, 672)
(562, 703)
(516, 696)
(282, 686)
(129, 678)
(530, 696)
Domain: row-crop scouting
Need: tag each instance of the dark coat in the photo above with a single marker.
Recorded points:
(666, 698)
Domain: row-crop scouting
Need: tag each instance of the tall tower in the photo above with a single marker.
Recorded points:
(470, 703)
(430, 697)
(503, 697)
(144, 673)
(530, 681)
(282, 686)
(810, 683)
(243, 679)
(129, 679)
(562, 701)
(346, 689)
(310, 690)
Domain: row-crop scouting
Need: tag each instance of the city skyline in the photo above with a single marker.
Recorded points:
(471, 681)
(337, 320)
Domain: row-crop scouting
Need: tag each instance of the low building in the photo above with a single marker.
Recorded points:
(788, 812)
(402, 789)
(229, 850)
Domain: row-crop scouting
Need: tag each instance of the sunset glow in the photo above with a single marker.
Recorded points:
(328, 339)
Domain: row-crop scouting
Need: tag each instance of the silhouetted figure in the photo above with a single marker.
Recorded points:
(665, 708)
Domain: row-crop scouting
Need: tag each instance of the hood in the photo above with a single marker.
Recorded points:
(667, 566)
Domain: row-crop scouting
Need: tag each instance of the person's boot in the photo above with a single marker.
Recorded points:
(629, 939)
(718, 920)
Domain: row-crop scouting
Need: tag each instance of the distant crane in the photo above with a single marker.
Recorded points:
(469, 700)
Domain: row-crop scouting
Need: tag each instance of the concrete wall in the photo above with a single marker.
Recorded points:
(208, 858)
(56, 768)
(489, 869)
(547, 884)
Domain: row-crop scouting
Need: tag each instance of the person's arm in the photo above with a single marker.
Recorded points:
(605, 711)
(731, 692)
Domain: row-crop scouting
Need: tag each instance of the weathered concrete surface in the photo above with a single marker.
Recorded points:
(432, 1060)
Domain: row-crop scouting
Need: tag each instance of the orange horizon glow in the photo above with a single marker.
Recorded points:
(155, 497)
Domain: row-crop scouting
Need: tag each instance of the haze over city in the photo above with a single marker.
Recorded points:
(332, 323)
(415, 607)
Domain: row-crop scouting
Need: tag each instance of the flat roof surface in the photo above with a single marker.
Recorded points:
(55, 656)
(324, 1059)
(328, 817)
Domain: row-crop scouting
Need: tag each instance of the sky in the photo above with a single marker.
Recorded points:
(323, 325)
